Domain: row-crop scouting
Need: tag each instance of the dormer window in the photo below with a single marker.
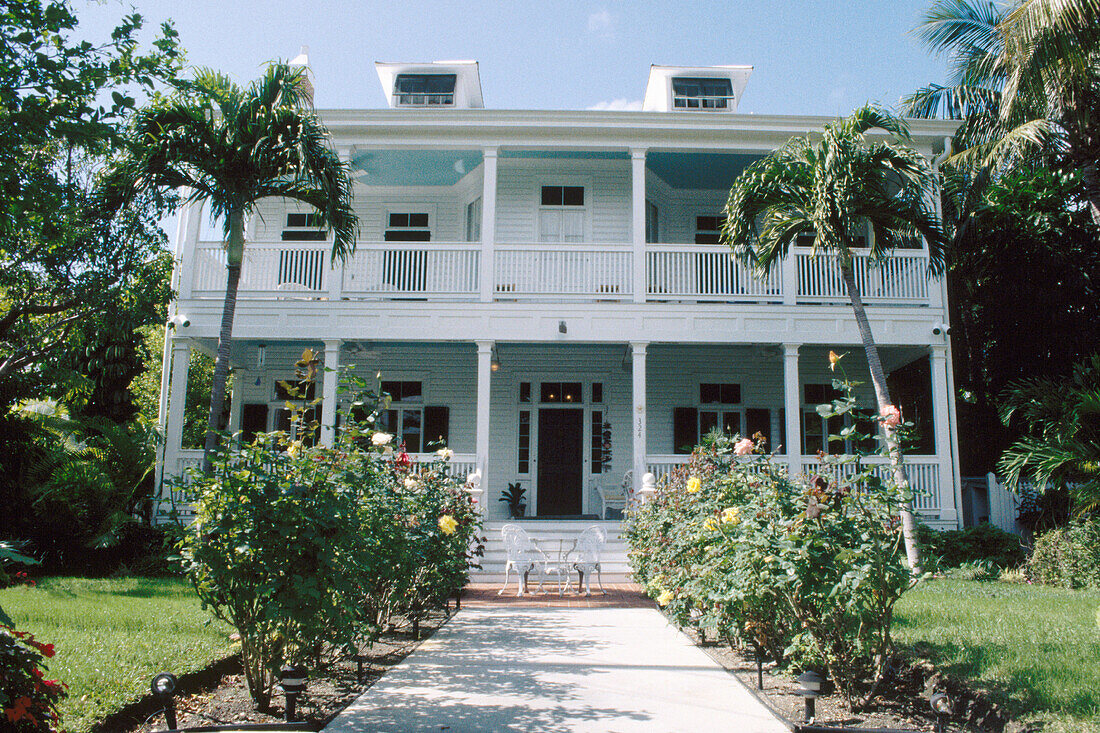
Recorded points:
(702, 93)
(424, 90)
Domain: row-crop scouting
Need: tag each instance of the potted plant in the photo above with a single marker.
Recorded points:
(516, 500)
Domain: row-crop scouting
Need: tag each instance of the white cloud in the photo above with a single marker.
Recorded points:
(620, 104)
(600, 22)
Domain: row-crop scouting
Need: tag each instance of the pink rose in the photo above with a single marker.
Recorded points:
(891, 416)
(743, 447)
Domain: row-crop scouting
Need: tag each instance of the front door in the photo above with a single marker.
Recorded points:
(561, 450)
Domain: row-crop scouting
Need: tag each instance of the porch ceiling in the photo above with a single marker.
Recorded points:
(703, 171)
(412, 167)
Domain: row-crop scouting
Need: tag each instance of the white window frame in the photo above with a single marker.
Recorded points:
(473, 220)
(583, 210)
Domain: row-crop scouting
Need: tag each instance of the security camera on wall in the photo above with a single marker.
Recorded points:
(941, 329)
(179, 321)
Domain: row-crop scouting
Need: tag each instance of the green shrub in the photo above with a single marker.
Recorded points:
(808, 572)
(983, 542)
(1068, 556)
(306, 548)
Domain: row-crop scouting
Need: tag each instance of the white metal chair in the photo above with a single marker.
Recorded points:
(585, 558)
(523, 556)
(614, 498)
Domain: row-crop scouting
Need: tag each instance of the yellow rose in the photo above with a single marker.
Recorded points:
(294, 449)
(693, 484)
(665, 597)
(447, 524)
(732, 515)
(710, 524)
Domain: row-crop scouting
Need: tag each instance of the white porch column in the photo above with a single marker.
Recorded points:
(177, 404)
(941, 427)
(329, 396)
(488, 223)
(637, 221)
(236, 396)
(484, 382)
(788, 274)
(792, 408)
(638, 410)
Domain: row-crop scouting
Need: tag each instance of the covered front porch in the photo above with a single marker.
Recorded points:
(564, 420)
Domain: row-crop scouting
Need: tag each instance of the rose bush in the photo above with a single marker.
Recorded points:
(313, 550)
(804, 569)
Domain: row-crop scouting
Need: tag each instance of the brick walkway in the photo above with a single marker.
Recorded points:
(619, 595)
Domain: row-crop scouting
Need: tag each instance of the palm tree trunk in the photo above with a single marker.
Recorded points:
(882, 395)
(234, 258)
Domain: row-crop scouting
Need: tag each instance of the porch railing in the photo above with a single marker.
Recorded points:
(901, 278)
(175, 495)
(923, 473)
(554, 271)
(705, 272)
(449, 271)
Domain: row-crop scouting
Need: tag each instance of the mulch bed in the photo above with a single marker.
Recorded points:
(217, 695)
(902, 703)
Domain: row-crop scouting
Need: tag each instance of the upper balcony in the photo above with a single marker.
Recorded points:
(515, 226)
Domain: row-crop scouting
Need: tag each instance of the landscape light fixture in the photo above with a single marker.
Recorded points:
(163, 686)
(292, 680)
(810, 683)
(943, 707)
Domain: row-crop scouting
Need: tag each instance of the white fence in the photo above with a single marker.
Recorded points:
(419, 270)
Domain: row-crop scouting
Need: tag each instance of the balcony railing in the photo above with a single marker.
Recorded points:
(449, 271)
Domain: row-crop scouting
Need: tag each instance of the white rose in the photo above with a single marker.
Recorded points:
(381, 438)
(445, 453)
(411, 483)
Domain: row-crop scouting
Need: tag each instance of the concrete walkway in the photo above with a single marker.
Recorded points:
(508, 667)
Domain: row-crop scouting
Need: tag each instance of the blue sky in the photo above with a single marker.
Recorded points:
(810, 57)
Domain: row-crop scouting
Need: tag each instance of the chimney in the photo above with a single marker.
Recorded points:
(302, 61)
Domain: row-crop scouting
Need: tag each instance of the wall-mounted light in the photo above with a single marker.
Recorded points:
(562, 327)
(261, 356)
(494, 360)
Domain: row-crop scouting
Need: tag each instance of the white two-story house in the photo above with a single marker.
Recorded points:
(545, 291)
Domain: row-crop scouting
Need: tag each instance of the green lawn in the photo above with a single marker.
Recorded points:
(1035, 649)
(112, 636)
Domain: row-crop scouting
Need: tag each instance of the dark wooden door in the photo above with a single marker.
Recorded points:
(561, 450)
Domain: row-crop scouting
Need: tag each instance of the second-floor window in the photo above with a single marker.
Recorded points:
(304, 228)
(473, 220)
(652, 223)
(421, 90)
(561, 214)
(408, 227)
(708, 230)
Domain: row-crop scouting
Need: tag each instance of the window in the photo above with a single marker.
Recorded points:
(708, 230)
(301, 391)
(404, 418)
(652, 223)
(561, 214)
(719, 408)
(720, 394)
(561, 392)
(817, 429)
(697, 93)
(424, 89)
(473, 221)
(523, 464)
(408, 227)
(600, 442)
(294, 412)
(304, 228)
(524, 391)
(597, 392)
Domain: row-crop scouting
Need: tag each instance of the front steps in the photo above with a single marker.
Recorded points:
(552, 534)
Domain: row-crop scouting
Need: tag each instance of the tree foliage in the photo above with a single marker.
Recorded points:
(70, 252)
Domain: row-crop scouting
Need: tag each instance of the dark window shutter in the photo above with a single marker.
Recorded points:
(759, 420)
(437, 425)
(685, 429)
(253, 420)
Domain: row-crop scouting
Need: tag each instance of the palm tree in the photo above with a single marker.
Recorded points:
(1025, 77)
(232, 147)
(828, 189)
(1062, 440)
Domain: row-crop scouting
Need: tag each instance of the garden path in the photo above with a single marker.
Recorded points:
(544, 664)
